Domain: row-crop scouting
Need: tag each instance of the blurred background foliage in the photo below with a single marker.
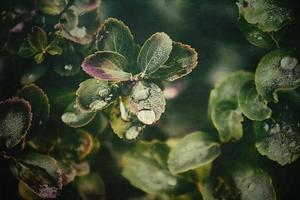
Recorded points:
(208, 26)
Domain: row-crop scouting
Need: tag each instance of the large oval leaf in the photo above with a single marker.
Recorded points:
(94, 95)
(182, 60)
(114, 35)
(223, 106)
(277, 70)
(145, 167)
(52, 7)
(75, 118)
(154, 53)
(39, 172)
(106, 65)
(39, 103)
(147, 102)
(250, 103)
(254, 183)
(267, 15)
(194, 150)
(15, 120)
(279, 137)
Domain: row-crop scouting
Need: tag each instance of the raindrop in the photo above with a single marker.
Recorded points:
(259, 38)
(68, 117)
(68, 67)
(97, 105)
(288, 62)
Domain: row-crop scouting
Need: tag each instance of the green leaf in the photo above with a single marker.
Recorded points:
(123, 124)
(52, 7)
(256, 36)
(83, 6)
(193, 151)
(114, 35)
(145, 167)
(76, 144)
(267, 15)
(69, 19)
(91, 187)
(26, 51)
(223, 106)
(39, 103)
(94, 95)
(182, 60)
(25, 192)
(250, 103)
(154, 53)
(106, 65)
(38, 38)
(277, 70)
(254, 183)
(54, 50)
(227, 118)
(32, 74)
(147, 102)
(39, 172)
(279, 137)
(74, 117)
(39, 57)
(69, 63)
(15, 120)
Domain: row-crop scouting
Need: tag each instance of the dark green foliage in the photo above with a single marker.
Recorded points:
(89, 110)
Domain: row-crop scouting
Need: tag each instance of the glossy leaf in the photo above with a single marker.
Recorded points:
(86, 5)
(223, 106)
(38, 38)
(193, 151)
(76, 144)
(39, 103)
(75, 118)
(123, 124)
(154, 53)
(26, 193)
(145, 168)
(15, 121)
(26, 50)
(254, 183)
(94, 95)
(279, 138)
(39, 172)
(256, 36)
(39, 57)
(147, 102)
(250, 103)
(267, 15)
(277, 70)
(182, 60)
(52, 7)
(106, 65)
(114, 35)
(69, 63)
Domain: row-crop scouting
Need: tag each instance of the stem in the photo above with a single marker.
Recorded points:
(273, 38)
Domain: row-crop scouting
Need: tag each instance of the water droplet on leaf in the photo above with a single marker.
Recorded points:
(288, 62)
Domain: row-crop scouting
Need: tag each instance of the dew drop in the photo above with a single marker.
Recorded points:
(132, 133)
(146, 116)
(68, 117)
(266, 127)
(172, 182)
(68, 67)
(97, 105)
(259, 38)
(288, 62)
